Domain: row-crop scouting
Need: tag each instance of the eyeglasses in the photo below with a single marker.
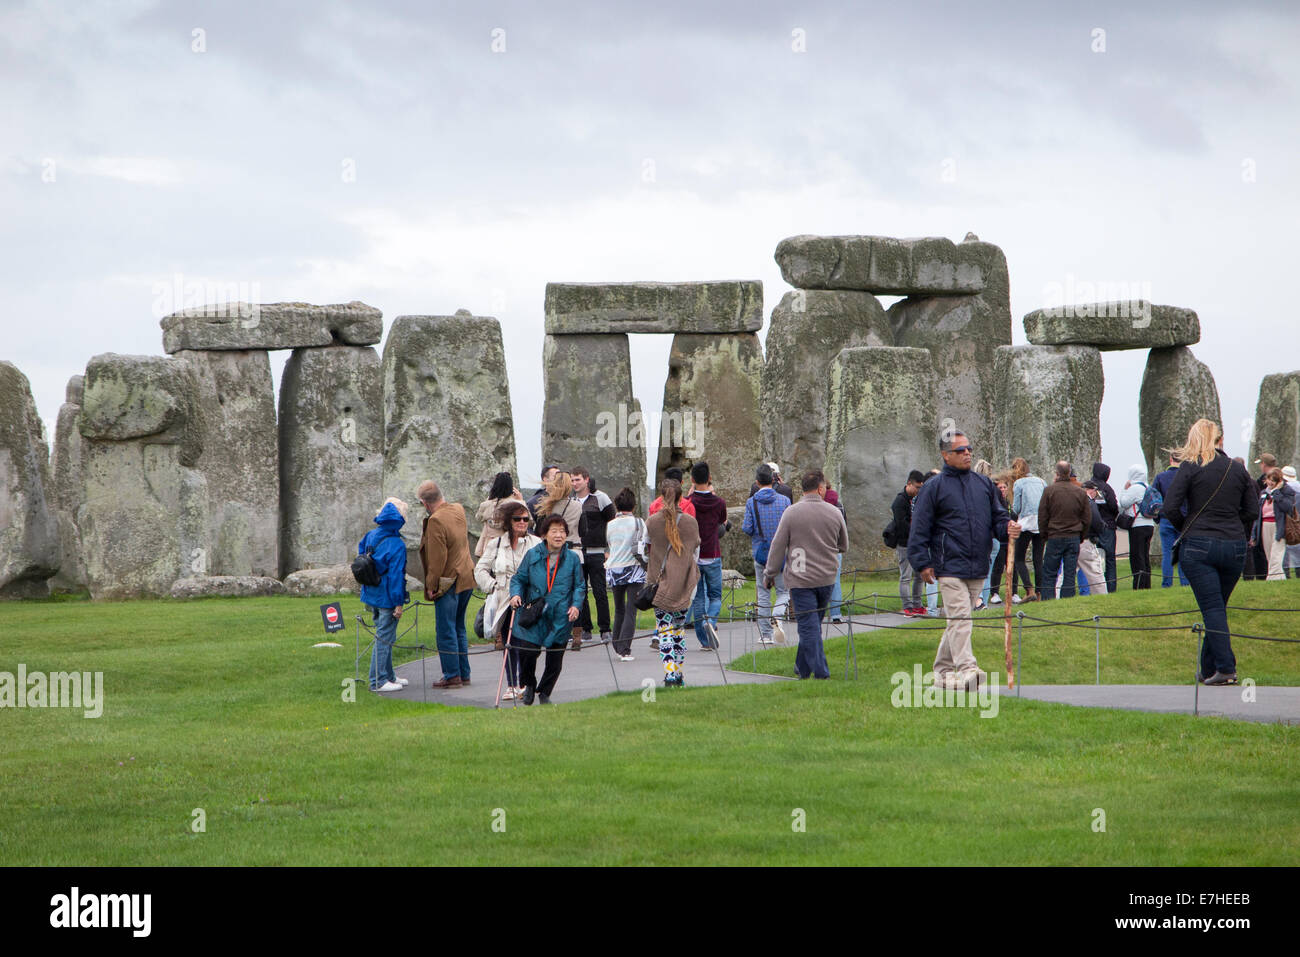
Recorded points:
(959, 449)
(521, 518)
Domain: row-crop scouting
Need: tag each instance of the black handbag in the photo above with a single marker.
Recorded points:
(530, 612)
(365, 571)
(645, 596)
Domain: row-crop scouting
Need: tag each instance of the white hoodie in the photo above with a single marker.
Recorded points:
(1131, 497)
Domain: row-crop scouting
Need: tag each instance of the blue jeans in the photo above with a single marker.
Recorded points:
(708, 598)
(767, 612)
(836, 593)
(1168, 534)
(1213, 566)
(931, 597)
(381, 657)
(1057, 553)
(453, 640)
(988, 577)
(809, 609)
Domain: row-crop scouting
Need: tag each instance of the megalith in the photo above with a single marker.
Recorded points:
(240, 326)
(809, 327)
(1049, 408)
(1123, 324)
(590, 417)
(962, 333)
(1177, 389)
(710, 410)
(1277, 419)
(932, 266)
(29, 532)
(447, 417)
(331, 428)
(239, 461)
(66, 493)
(580, 308)
(144, 521)
(881, 425)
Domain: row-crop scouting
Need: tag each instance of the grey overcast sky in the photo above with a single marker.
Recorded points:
(652, 141)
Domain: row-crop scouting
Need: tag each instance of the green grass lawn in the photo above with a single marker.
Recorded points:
(224, 705)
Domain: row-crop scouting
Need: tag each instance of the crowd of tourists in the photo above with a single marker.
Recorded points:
(956, 530)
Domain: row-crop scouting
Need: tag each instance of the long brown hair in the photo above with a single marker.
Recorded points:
(1019, 469)
(561, 489)
(671, 490)
(508, 510)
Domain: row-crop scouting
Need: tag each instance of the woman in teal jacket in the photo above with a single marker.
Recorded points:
(553, 570)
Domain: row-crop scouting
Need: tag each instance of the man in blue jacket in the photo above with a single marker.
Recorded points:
(955, 518)
(763, 511)
(386, 599)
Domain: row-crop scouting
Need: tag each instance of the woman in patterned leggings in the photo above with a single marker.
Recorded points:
(674, 541)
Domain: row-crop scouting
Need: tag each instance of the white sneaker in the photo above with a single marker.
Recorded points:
(626, 658)
(509, 695)
(403, 682)
(995, 599)
(778, 633)
(1017, 600)
(389, 686)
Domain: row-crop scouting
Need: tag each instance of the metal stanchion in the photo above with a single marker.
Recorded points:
(1020, 626)
(1199, 630)
(1096, 620)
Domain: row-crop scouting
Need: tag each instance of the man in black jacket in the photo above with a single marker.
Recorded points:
(1108, 505)
(597, 512)
(910, 586)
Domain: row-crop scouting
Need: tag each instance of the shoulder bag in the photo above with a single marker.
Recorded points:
(1173, 556)
(645, 596)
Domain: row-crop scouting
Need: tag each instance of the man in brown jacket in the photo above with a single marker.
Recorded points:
(1064, 517)
(448, 580)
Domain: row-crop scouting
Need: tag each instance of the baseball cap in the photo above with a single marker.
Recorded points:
(1266, 459)
(1288, 473)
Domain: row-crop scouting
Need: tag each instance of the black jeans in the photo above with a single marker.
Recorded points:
(999, 566)
(593, 569)
(528, 653)
(1139, 554)
(1212, 567)
(1060, 552)
(624, 618)
(1022, 570)
(1106, 544)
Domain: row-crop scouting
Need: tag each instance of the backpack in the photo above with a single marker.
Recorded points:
(890, 534)
(1152, 500)
(365, 571)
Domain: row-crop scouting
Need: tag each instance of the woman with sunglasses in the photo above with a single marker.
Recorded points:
(500, 560)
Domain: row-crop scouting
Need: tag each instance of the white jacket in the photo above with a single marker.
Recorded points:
(1130, 498)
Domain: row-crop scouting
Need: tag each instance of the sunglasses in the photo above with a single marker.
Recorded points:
(520, 519)
(959, 449)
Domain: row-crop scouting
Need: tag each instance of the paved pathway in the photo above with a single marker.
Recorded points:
(588, 674)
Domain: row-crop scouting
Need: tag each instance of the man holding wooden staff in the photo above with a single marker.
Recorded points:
(957, 515)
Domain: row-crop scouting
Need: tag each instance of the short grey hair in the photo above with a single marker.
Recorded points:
(429, 492)
(947, 439)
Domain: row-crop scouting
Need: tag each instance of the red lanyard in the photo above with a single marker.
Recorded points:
(551, 570)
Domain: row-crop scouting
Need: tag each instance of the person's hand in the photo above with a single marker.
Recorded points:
(1013, 530)
(768, 581)
(1251, 543)
(516, 601)
(428, 595)
(397, 612)
(573, 615)
(927, 576)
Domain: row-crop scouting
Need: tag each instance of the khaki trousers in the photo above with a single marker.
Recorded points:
(1274, 549)
(1093, 565)
(959, 597)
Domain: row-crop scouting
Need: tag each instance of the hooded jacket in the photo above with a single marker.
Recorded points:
(1130, 498)
(1109, 506)
(763, 511)
(955, 518)
(389, 553)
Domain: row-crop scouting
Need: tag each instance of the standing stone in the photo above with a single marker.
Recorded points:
(590, 417)
(1050, 408)
(1126, 324)
(447, 413)
(808, 330)
(29, 532)
(67, 489)
(881, 426)
(577, 308)
(1177, 389)
(1277, 419)
(144, 521)
(240, 461)
(737, 547)
(710, 410)
(331, 454)
(932, 266)
(240, 326)
(963, 334)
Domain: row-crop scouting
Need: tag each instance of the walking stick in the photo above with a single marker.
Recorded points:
(506, 654)
(1006, 612)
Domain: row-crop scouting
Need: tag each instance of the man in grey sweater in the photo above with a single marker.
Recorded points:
(812, 532)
